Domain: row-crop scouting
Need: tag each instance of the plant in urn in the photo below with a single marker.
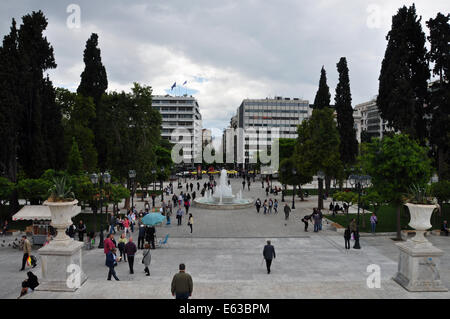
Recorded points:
(421, 206)
(62, 204)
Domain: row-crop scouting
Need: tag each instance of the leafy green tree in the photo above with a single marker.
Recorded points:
(6, 190)
(78, 111)
(404, 73)
(318, 144)
(323, 95)
(117, 193)
(94, 83)
(302, 174)
(75, 162)
(348, 147)
(395, 163)
(34, 190)
(441, 190)
(440, 92)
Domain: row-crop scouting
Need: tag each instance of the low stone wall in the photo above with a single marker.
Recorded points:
(222, 207)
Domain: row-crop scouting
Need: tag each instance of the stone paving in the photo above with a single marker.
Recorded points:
(224, 257)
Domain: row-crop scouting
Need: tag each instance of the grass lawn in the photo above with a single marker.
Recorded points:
(387, 219)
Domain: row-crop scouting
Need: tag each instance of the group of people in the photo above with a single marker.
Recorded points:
(270, 205)
(316, 218)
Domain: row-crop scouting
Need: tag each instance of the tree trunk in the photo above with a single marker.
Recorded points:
(320, 199)
(327, 185)
(301, 193)
(399, 234)
(127, 204)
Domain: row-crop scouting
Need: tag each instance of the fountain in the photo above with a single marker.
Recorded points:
(223, 197)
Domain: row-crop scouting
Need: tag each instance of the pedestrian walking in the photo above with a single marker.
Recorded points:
(112, 224)
(111, 263)
(248, 184)
(190, 221)
(265, 206)
(179, 215)
(243, 184)
(26, 252)
(147, 257)
(169, 212)
(121, 245)
(269, 254)
(373, 222)
(126, 226)
(187, 204)
(182, 284)
(81, 229)
(353, 227)
(320, 218)
(275, 206)
(267, 191)
(258, 205)
(287, 210)
(270, 205)
(130, 250)
(151, 231)
(347, 236)
(316, 218)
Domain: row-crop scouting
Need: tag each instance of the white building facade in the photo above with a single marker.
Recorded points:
(181, 113)
(263, 121)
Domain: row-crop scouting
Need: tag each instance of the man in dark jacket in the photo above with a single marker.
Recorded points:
(130, 250)
(287, 210)
(141, 237)
(269, 254)
(151, 236)
(111, 263)
(182, 285)
(81, 230)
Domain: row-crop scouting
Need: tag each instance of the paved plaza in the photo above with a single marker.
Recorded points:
(224, 257)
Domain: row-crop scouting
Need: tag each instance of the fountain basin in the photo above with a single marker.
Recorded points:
(212, 204)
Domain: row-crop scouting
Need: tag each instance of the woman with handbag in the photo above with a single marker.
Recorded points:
(146, 259)
(190, 221)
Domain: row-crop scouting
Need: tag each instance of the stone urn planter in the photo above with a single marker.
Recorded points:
(62, 213)
(419, 260)
(62, 260)
(420, 221)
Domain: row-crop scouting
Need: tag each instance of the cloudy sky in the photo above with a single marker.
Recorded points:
(225, 50)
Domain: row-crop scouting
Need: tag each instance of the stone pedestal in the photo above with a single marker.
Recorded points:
(62, 258)
(62, 266)
(418, 267)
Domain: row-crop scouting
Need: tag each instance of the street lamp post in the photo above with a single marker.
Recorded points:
(154, 178)
(132, 176)
(359, 182)
(283, 170)
(320, 177)
(162, 184)
(294, 174)
(103, 178)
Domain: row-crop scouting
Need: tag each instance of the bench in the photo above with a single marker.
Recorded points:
(339, 228)
(12, 232)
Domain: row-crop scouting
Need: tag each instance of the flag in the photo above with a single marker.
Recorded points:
(184, 82)
(174, 85)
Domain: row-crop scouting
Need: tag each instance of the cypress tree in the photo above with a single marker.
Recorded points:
(36, 56)
(348, 147)
(404, 74)
(75, 162)
(93, 84)
(439, 54)
(10, 109)
(323, 95)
